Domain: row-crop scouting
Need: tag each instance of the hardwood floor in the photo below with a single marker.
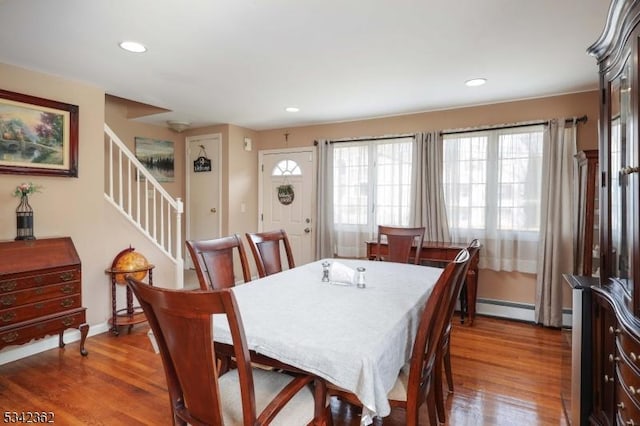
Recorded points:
(505, 373)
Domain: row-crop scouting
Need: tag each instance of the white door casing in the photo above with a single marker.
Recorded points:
(203, 190)
(297, 218)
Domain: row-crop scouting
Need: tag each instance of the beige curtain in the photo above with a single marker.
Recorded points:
(325, 246)
(428, 207)
(555, 250)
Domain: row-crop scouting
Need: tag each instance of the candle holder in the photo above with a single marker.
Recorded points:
(24, 220)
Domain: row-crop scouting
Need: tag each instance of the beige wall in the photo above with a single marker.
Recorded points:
(116, 113)
(67, 206)
(513, 287)
(578, 104)
(76, 207)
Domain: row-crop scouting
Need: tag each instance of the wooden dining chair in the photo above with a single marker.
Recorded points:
(181, 321)
(213, 260)
(444, 353)
(399, 243)
(414, 387)
(265, 247)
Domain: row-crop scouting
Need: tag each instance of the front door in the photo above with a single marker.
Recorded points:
(203, 189)
(287, 197)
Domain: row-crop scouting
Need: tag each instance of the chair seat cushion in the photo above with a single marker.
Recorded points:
(267, 384)
(399, 390)
(397, 393)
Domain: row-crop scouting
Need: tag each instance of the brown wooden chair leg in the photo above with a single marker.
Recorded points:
(447, 367)
(436, 390)
(431, 408)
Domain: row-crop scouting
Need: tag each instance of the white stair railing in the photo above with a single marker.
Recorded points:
(132, 190)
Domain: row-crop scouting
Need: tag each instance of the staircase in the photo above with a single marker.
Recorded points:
(133, 191)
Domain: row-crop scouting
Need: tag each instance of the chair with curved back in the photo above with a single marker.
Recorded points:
(399, 243)
(181, 321)
(213, 260)
(265, 247)
(444, 360)
(414, 387)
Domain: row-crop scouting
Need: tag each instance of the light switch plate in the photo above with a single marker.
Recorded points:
(247, 144)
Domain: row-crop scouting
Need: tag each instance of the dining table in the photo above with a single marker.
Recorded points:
(355, 338)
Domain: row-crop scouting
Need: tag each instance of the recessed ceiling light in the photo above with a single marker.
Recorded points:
(133, 46)
(475, 82)
(292, 109)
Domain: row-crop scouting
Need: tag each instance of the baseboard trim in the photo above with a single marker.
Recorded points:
(11, 354)
(515, 311)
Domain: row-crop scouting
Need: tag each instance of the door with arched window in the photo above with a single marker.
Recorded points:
(287, 197)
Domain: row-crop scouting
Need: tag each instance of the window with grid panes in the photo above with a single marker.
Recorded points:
(372, 183)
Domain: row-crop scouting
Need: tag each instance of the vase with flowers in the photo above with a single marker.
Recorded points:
(24, 212)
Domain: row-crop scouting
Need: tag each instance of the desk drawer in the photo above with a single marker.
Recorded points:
(23, 334)
(627, 408)
(35, 310)
(33, 295)
(37, 280)
(630, 347)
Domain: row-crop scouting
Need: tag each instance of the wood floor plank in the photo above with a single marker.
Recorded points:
(505, 373)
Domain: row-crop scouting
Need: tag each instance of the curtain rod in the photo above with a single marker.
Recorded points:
(370, 138)
(582, 119)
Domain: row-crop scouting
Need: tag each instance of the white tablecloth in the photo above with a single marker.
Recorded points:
(357, 339)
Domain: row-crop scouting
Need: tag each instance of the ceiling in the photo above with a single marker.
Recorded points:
(243, 61)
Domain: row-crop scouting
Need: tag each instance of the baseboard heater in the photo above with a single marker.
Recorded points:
(514, 310)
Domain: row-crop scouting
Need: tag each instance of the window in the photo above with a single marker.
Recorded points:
(492, 187)
(286, 168)
(371, 184)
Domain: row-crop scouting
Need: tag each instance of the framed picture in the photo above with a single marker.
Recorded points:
(157, 156)
(37, 136)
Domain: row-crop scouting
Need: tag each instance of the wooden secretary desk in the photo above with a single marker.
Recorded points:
(40, 291)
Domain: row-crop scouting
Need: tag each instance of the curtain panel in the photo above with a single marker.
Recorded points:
(556, 252)
(428, 208)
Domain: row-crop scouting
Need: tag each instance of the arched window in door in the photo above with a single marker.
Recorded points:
(286, 168)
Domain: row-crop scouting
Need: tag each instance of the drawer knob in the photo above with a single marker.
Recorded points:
(66, 303)
(10, 337)
(629, 170)
(613, 358)
(8, 286)
(67, 321)
(7, 300)
(615, 331)
(632, 390)
(621, 406)
(607, 378)
(630, 422)
(633, 357)
(9, 316)
(67, 276)
(69, 288)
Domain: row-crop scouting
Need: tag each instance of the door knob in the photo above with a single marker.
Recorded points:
(307, 230)
(214, 210)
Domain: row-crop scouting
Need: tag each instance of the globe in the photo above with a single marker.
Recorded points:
(129, 261)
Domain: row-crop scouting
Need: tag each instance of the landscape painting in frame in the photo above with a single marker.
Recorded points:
(157, 156)
(37, 136)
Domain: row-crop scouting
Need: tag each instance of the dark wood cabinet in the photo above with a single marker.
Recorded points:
(588, 259)
(616, 299)
(40, 291)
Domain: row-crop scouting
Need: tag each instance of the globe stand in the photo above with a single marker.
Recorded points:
(130, 315)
